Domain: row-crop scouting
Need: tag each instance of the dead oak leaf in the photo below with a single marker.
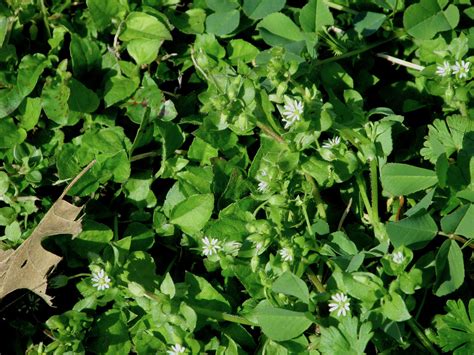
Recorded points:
(29, 265)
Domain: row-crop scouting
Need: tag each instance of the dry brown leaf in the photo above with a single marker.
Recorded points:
(29, 265)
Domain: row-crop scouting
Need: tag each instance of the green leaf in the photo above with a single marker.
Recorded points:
(190, 22)
(10, 133)
(364, 286)
(111, 334)
(222, 5)
(423, 205)
(4, 20)
(30, 69)
(144, 35)
(460, 222)
(139, 25)
(94, 238)
(456, 328)
(257, 9)
(426, 18)
(167, 286)
(278, 29)
(290, 284)
(81, 98)
(315, 15)
(138, 189)
(449, 268)
(240, 50)
(394, 308)
(402, 179)
(103, 11)
(54, 99)
(118, 88)
(413, 232)
(201, 151)
(143, 50)
(222, 23)
(367, 23)
(348, 338)
(448, 136)
(192, 214)
(280, 324)
(202, 294)
(85, 55)
(30, 112)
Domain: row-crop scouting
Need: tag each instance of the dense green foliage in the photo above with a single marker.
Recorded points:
(271, 176)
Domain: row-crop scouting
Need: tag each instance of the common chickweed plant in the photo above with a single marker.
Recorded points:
(270, 177)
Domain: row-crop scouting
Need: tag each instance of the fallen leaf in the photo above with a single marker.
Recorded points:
(29, 266)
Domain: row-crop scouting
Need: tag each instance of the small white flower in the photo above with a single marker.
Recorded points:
(176, 349)
(461, 68)
(341, 304)
(262, 186)
(443, 70)
(332, 143)
(286, 254)
(398, 257)
(100, 280)
(293, 110)
(211, 246)
(263, 172)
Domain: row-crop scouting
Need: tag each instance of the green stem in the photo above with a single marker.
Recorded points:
(144, 155)
(466, 242)
(222, 316)
(44, 13)
(463, 109)
(317, 197)
(340, 8)
(143, 124)
(271, 133)
(315, 281)
(363, 194)
(306, 217)
(374, 190)
(357, 51)
(421, 336)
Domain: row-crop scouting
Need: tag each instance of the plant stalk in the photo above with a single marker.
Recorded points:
(374, 190)
(356, 51)
(340, 7)
(222, 316)
(315, 281)
(44, 14)
(363, 194)
(317, 197)
(421, 336)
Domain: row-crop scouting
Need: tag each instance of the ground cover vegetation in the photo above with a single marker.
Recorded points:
(236, 176)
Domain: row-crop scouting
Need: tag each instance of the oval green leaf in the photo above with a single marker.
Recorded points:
(193, 213)
(280, 324)
(402, 179)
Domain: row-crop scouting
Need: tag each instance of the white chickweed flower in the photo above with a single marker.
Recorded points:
(176, 349)
(341, 304)
(211, 246)
(100, 280)
(443, 70)
(286, 254)
(293, 110)
(461, 68)
(398, 257)
(332, 143)
(262, 186)
(263, 172)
